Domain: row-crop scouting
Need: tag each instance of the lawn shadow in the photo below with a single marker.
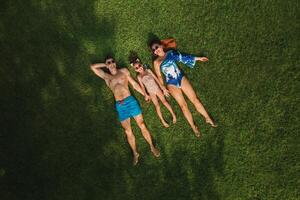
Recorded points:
(61, 128)
(191, 170)
(184, 171)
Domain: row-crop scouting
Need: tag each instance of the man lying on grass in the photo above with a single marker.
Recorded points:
(126, 105)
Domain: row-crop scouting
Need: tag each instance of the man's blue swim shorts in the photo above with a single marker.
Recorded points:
(128, 107)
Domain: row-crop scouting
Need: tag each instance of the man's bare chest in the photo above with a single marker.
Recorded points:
(118, 79)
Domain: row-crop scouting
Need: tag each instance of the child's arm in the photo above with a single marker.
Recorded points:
(162, 87)
(147, 98)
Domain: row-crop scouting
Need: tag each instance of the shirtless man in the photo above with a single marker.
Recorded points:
(126, 105)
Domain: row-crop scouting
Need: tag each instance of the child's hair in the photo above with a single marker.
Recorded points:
(133, 60)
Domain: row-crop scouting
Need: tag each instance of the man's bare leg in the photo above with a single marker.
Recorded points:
(140, 122)
(131, 140)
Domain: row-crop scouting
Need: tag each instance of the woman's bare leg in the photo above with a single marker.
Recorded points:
(140, 122)
(158, 111)
(190, 93)
(167, 105)
(131, 140)
(178, 96)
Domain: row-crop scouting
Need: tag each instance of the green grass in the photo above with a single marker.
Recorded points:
(60, 138)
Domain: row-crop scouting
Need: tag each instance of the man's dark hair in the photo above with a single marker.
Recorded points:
(109, 56)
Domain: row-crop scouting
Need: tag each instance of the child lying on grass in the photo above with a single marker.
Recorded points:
(148, 81)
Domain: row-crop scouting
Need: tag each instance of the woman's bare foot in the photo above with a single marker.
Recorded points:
(196, 131)
(211, 123)
(155, 152)
(136, 158)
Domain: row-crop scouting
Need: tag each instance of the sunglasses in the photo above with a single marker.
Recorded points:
(110, 62)
(137, 66)
(155, 47)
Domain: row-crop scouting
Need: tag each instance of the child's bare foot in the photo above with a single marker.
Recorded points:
(155, 152)
(136, 158)
(211, 123)
(196, 131)
(165, 124)
(174, 119)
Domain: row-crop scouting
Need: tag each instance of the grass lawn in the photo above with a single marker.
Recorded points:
(60, 137)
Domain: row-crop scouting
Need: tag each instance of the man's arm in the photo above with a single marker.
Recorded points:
(132, 82)
(96, 68)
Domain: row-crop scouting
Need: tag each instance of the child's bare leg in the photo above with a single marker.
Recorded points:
(158, 111)
(167, 105)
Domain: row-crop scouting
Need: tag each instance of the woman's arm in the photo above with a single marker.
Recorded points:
(159, 78)
(201, 59)
(157, 72)
(187, 59)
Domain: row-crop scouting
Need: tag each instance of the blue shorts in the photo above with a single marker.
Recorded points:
(128, 107)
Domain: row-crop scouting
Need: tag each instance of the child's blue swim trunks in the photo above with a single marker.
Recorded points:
(128, 107)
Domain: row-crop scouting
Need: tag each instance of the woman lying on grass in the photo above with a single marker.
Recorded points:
(177, 83)
(155, 89)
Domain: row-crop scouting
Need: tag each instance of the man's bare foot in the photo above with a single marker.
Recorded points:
(136, 158)
(165, 124)
(174, 119)
(196, 131)
(155, 152)
(211, 123)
